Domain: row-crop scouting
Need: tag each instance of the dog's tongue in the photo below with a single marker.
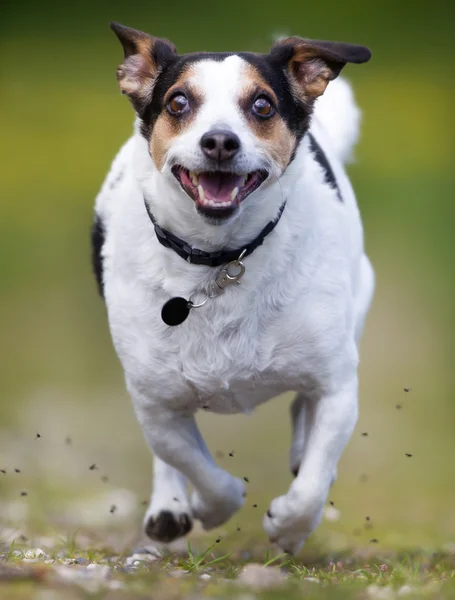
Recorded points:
(219, 186)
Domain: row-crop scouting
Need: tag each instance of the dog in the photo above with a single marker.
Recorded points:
(228, 247)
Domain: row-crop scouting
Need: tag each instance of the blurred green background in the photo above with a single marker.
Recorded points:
(62, 120)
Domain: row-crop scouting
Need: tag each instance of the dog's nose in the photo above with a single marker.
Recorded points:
(220, 145)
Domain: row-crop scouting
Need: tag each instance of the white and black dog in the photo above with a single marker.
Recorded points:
(234, 175)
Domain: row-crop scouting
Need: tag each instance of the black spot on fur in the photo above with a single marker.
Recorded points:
(98, 236)
(322, 159)
(113, 184)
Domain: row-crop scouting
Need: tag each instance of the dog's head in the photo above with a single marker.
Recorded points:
(222, 125)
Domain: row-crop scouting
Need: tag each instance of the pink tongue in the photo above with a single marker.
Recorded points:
(218, 186)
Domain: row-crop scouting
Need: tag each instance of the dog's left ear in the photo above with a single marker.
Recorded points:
(145, 57)
(312, 64)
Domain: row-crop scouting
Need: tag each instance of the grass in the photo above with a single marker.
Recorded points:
(354, 573)
(196, 561)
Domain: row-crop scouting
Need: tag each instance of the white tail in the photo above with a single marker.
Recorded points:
(339, 115)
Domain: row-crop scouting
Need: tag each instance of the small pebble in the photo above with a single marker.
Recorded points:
(178, 573)
(405, 590)
(205, 576)
(80, 560)
(259, 576)
(101, 570)
(379, 593)
(34, 553)
(312, 579)
(145, 557)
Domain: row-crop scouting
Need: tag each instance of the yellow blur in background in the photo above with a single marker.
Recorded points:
(62, 120)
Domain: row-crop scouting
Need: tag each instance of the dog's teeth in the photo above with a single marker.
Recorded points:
(234, 193)
(201, 193)
(194, 178)
(244, 178)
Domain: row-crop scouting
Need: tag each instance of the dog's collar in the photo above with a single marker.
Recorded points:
(209, 259)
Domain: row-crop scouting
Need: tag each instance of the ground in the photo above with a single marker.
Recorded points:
(232, 566)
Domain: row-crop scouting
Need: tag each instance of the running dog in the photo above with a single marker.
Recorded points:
(228, 247)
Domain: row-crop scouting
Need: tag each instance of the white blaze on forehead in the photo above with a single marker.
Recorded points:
(220, 84)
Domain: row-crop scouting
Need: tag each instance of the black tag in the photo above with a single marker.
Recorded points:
(175, 311)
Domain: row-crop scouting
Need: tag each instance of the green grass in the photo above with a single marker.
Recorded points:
(354, 573)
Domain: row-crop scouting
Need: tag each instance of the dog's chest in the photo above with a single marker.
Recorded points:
(215, 360)
(224, 357)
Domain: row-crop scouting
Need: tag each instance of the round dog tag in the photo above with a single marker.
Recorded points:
(175, 311)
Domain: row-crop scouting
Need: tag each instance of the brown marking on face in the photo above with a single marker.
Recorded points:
(167, 126)
(275, 137)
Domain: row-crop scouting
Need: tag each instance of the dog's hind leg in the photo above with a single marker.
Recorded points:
(302, 415)
(299, 423)
(169, 514)
(291, 518)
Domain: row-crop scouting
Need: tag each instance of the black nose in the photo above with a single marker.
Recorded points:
(220, 145)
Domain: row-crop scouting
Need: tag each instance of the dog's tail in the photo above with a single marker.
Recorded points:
(339, 115)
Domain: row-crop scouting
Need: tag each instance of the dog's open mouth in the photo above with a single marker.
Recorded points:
(217, 193)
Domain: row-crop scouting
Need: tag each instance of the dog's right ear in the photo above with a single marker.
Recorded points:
(145, 57)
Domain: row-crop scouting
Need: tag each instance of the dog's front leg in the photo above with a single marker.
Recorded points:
(329, 425)
(174, 438)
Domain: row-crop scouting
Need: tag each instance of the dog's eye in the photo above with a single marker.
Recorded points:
(263, 107)
(178, 104)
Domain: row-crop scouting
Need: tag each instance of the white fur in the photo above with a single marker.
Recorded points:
(341, 117)
(292, 324)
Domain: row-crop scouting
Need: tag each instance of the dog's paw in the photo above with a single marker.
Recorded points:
(214, 510)
(290, 520)
(166, 525)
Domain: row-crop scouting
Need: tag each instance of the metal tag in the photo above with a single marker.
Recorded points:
(228, 276)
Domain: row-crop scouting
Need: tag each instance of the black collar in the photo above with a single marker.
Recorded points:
(210, 259)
